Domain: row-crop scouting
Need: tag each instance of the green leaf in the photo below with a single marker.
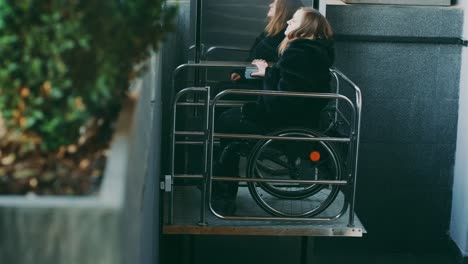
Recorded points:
(38, 114)
(69, 49)
(31, 121)
(56, 93)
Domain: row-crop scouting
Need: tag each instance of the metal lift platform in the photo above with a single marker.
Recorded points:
(187, 212)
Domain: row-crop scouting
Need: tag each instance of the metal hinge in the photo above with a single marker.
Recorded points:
(166, 185)
(464, 42)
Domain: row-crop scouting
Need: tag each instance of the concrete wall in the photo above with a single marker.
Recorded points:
(459, 220)
(173, 53)
(139, 225)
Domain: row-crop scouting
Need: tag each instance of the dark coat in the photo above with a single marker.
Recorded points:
(303, 67)
(265, 48)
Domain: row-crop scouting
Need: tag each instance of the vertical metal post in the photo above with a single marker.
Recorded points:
(337, 91)
(172, 165)
(320, 6)
(206, 142)
(209, 173)
(315, 4)
(356, 158)
(198, 49)
(198, 17)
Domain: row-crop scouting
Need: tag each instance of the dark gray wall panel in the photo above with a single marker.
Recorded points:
(409, 120)
(410, 111)
(390, 20)
(448, 80)
(233, 23)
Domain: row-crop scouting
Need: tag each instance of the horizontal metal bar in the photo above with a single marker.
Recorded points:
(226, 48)
(282, 93)
(216, 142)
(189, 143)
(222, 104)
(212, 64)
(289, 219)
(251, 136)
(188, 176)
(238, 179)
(189, 133)
(402, 39)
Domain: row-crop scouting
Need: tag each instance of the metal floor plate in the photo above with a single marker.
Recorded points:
(187, 218)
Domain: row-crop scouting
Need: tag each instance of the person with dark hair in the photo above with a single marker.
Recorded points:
(306, 54)
(266, 44)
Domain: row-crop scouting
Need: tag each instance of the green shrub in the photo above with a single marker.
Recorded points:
(66, 63)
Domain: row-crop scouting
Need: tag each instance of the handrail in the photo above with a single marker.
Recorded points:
(172, 136)
(209, 135)
(355, 147)
(226, 48)
(212, 135)
(284, 94)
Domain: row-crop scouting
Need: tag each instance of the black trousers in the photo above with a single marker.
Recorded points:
(231, 121)
(227, 162)
(250, 84)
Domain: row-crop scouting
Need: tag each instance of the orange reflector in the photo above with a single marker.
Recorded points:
(314, 156)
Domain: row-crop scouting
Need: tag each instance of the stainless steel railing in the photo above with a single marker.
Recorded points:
(209, 136)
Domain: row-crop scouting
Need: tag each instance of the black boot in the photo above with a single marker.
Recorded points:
(223, 192)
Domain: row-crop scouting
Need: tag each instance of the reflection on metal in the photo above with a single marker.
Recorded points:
(209, 52)
(249, 136)
(227, 103)
(198, 24)
(236, 179)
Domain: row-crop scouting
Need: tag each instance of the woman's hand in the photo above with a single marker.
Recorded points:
(261, 65)
(235, 76)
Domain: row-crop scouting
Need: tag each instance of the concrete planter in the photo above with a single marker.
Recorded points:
(106, 228)
(57, 229)
(401, 2)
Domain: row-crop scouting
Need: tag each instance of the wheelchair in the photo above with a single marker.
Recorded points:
(299, 161)
(292, 173)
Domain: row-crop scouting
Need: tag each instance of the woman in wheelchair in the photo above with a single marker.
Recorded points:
(306, 54)
(266, 44)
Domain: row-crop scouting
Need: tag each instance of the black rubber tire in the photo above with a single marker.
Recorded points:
(253, 172)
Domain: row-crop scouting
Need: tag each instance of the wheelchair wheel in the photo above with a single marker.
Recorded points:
(294, 160)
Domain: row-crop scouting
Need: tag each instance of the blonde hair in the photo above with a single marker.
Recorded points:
(284, 11)
(314, 25)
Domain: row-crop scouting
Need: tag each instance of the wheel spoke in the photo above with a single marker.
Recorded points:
(273, 159)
